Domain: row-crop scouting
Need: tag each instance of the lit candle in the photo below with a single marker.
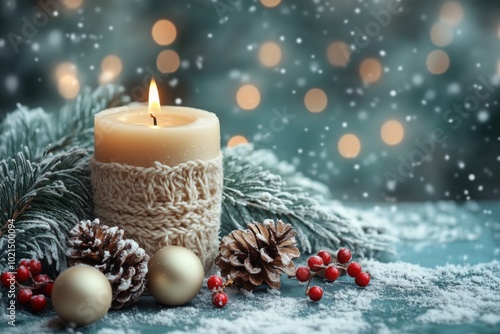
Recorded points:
(128, 135)
(157, 174)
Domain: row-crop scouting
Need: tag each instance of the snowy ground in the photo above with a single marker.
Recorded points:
(443, 277)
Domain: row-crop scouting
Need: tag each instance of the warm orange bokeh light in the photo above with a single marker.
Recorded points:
(270, 3)
(65, 68)
(338, 53)
(441, 34)
(164, 32)
(349, 146)
(248, 97)
(315, 100)
(452, 13)
(111, 67)
(392, 132)
(438, 62)
(237, 140)
(68, 86)
(168, 61)
(72, 4)
(270, 54)
(370, 70)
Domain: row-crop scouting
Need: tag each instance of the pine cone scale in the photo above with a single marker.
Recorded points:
(265, 257)
(250, 268)
(265, 249)
(122, 261)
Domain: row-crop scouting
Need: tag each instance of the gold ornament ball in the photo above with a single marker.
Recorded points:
(175, 275)
(81, 295)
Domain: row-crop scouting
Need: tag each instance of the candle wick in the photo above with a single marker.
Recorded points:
(154, 119)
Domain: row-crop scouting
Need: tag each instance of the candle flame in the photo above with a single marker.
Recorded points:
(154, 106)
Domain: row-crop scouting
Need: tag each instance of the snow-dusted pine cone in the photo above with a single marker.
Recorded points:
(122, 261)
(259, 254)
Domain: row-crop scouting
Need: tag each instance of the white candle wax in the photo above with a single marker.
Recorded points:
(127, 135)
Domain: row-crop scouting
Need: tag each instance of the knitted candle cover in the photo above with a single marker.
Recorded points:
(160, 206)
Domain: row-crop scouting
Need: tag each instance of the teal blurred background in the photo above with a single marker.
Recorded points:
(380, 100)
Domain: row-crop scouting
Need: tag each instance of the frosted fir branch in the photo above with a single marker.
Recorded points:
(42, 131)
(45, 174)
(45, 199)
(253, 190)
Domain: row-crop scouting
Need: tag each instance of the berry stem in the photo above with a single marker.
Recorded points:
(227, 283)
(36, 285)
(314, 273)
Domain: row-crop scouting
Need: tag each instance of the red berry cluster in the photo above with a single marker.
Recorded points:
(321, 264)
(216, 285)
(34, 292)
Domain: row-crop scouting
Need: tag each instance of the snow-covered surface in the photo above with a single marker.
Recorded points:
(444, 276)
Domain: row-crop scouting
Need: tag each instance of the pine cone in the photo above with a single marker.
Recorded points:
(259, 254)
(122, 261)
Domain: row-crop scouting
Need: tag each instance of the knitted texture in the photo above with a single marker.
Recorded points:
(160, 206)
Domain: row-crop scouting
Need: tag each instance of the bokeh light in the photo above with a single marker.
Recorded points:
(111, 67)
(270, 3)
(441, 34)
(315, 100)
(349, 146)
(370, 70)
(65, 68)
(168, 61)
(73, 4)
(68, 86)
(313, 76)
(392, 132)
(164, 32)
(237, 140)
(270, 54)
(338, 53)
(452, 13)
(438, 62)
(248, 97)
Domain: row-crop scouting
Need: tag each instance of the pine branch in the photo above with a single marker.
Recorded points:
(254, 192)
(73, 125)
(46, 199)
(45, 174)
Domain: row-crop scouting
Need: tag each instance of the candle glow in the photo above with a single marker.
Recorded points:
(154, 101)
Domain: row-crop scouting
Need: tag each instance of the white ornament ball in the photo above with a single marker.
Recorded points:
(81, 295)
(175, 275)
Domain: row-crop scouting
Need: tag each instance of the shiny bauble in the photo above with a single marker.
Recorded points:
(81, 295)
(175, 275)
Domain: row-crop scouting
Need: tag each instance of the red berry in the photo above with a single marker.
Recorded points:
(47, 290)
(327, 258)
(302, 274)
(331, 273)
(38, 303)
(343, 255)
(42, 278)
(24, 296)
(353, 269)
(219, 299)
(362, 279)
(35, 267)
(22, 274)
(25, 263)
(315, 263)
(315, 293)
(214, 282)
(8, 278)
